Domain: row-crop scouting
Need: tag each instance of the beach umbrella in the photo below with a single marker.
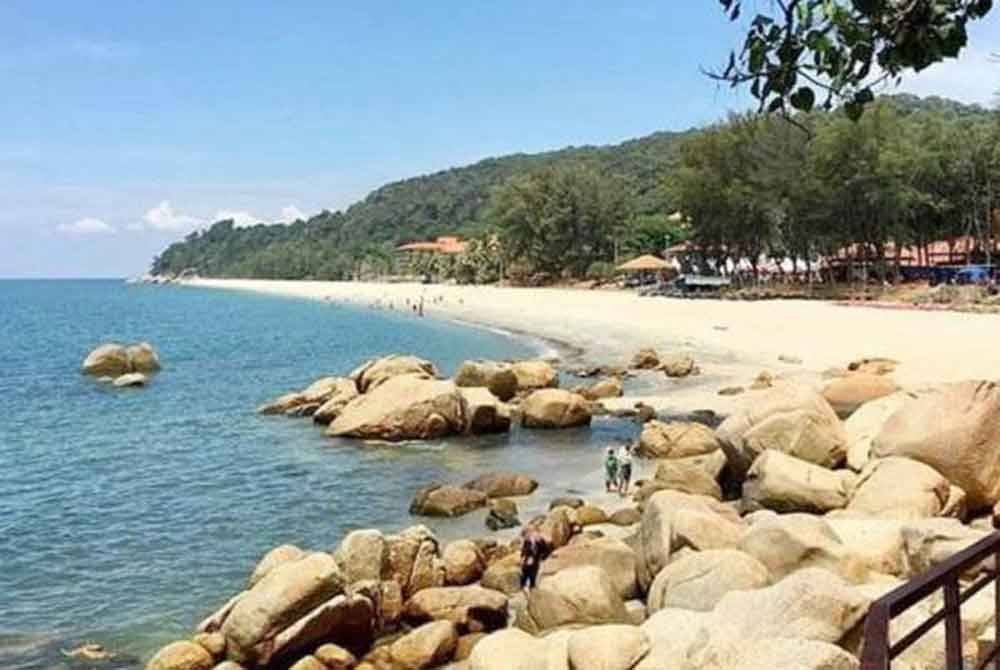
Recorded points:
(644, 263)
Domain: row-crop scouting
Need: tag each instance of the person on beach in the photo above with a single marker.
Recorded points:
(624, 469)
(533, 551)
(610, 471)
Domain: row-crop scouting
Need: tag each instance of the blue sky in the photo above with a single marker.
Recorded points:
(124, 125)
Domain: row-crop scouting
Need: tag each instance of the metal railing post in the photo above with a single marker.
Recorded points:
(952, 624)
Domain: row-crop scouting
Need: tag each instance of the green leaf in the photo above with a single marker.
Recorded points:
(803, 99)
(853, 110)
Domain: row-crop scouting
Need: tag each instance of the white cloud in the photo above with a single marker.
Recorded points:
(972, 78)
(165, 218)
(86, 226)
(240, 219)
(291, 214)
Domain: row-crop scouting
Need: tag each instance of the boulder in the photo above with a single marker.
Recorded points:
(447, 501)
(181, 656)
(282, 404)
(555, 408)
(376, 372)
(284, 595)
(614, 557)
(866, 423)
(499, 378)
(783, 483)
(573, 502)
(107, 360)
(645, 359)
(673, 634)
(502, 515)
(363, 556)
(626, 516)
(811, 604)
(534, 375)
(486, 413)
(213, 643)
(428, 646)
(556, 528)
(582, 595)
(347, 621)
(608, 647)
(676, 440)
(678, 365)
(213, 622)
(789, 543)
(503, 576)
(791, 418)
(777, 652)
(698, 581)
(308, 663)
(873, 366)
(928, 542)
(589, 515)
(606, 388)
(503, 484)
(405, 407)
(466, 645)
(899, 488)
(335, 657)
(463, 563)
(343, 392)
(688, 475)
(955, 429)
(414, 563)
(877, 543)
(472, 608)
(143, 358)
(847, 394)
(510, 649)
(131, 379)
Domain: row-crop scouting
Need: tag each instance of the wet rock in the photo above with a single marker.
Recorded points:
(502, 515)
(405, 407)
(107, 360)
(555, 408)
(446, 501)
(503, 484)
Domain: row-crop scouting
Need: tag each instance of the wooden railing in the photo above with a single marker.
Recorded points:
(879, 650)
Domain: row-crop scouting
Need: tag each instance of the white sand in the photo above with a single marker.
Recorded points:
(731, 340)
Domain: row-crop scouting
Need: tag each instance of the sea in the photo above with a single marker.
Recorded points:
(127, 515)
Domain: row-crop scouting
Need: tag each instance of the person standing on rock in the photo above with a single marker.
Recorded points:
(610, 471)
(624, 469)
(533, 551)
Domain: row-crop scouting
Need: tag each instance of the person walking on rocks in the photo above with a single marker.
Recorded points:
(624, 469)
(610, 471)
(534, 549)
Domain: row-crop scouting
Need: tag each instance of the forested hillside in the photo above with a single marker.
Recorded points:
(910, 171)
(335, 245)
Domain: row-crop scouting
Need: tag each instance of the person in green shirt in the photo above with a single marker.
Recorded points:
(610, 471)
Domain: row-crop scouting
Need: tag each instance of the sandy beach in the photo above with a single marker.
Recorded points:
(732, 341)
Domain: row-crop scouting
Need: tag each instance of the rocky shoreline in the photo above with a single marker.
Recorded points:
(757, 543)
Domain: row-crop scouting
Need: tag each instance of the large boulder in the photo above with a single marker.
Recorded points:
(348, 621)
(865, 424)
(792, 542)
(847, 394)
(645, 359)
(608, 647)
(673, 634)
(791, 418)
(335, 400)
(363, 556)
(956, 430)
(283, 404)
(583, 595)
(503, 484)
(502, 515)
(615, 557)
(485, 413)
(778, 652)
(131, 379)
(414, 563)
(447, 501)
(405, 407)
(286, 593)
(272, 559)
(142, 357)
(676, 440)
(929, 542)
(463, 563)
(783, 483)
(181, 656)
(678, 365)
(499, 378)
(428, 646)
(878, 543)
(107, 360)
(899, 488)
(697, 475)
(698, 581)
(375, 372)
(606, 388)
(555, 408)
(471, 608)
(511, 649)
(534, 375)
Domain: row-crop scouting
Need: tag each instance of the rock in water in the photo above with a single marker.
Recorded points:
(534, 375)
(955, 429)
(678, 365)
(131, 379)
(497, 377)
(847, 394)
(107, 360)
(486, 413)
(645, 359)
(791, 418)
(405, 407)
(374, 373)
(503, 514)
(143, 358)
(503, 484)
(446, 501)
(606, 388)
(181, 656)
(555, 408)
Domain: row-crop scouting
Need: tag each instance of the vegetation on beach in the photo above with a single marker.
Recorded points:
(909, 172)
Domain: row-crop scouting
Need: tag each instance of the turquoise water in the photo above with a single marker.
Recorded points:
(128, 514)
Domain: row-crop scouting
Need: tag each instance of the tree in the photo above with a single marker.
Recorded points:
(837, 47)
